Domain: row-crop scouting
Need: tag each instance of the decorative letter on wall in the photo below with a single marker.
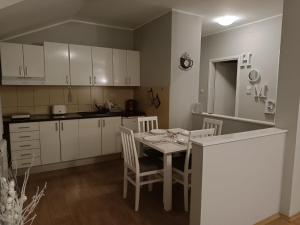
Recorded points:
(270, 106)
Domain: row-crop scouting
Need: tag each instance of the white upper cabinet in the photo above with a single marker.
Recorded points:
(22, 61)
(133, 67)
(111, 140)
(120, 68)
(69, 142)
(34, 61)
(12, 60)
(89, 137)
(57, 63)
(81, 65)
(102, 66)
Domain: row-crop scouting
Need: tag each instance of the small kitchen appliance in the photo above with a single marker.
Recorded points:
(59, 109)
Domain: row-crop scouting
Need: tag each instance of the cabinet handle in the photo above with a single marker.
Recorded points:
(23, 127)
(26, 154)
(26, 164)
(99, 123)
(62, 126)
(90, 80)
(23, 146)
(103, 123)
(56, 126)
(94, 80)
(20, 70)
(25, 71)
(24, 137)
(67, 79)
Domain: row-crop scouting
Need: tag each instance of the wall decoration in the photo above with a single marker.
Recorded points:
(186, 62)
(246, 60)
(261, 92)
(155, 100)
(254, 76)
(270, 106)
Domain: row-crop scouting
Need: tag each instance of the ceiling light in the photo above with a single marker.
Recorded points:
(226, 20)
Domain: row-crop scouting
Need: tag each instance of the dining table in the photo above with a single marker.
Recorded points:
(168, 146)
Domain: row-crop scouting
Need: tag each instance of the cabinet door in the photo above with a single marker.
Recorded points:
(57, 64)
(102, 66)
(50, 144)
(34, 61)
(12, 60)
(69, 143)
(111, 141)
(89, 137)
(81, 65)
(133, 67)
(119, 68)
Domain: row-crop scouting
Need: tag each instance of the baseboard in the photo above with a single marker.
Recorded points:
(290, 218)
(269, 219)
(70, 164)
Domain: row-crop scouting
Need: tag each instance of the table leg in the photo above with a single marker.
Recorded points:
(168, 182)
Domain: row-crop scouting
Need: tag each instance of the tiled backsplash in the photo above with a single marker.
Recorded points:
(38, 99)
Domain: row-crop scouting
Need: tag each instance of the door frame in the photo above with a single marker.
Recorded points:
(211, 82)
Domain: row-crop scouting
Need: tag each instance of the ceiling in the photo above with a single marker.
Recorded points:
(32, 14)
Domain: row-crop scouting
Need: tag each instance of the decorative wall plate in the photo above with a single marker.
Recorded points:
(254, 76)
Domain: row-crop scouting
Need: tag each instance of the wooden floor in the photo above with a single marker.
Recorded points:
(92, 195)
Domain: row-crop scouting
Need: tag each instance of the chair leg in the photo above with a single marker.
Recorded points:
(125, 186)
(137, 192)
(150, 186)
(186, 193)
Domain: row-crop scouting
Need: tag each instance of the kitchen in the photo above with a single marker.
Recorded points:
(86, 91)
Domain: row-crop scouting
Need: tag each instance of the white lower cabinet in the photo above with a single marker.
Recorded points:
(69, 140)
(50, 143)
(89, 138)
(111, 140)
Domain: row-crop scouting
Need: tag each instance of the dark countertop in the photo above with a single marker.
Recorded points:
(70, 116)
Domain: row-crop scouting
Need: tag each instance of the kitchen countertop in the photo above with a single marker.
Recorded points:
(70, 116)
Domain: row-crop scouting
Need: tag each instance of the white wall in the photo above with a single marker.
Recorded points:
(230, 126)
(81, 33)
(184, 85)
(153, 40)
(237, 178)
(262, 39)
(288, 112)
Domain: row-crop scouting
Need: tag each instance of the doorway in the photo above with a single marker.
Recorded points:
(223, 87)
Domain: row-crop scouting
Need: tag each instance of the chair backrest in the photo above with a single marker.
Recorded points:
(213, 123)
(196, 134)
(129, 149)
(147, 123)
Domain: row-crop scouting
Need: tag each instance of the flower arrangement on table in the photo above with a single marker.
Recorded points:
(15, 208)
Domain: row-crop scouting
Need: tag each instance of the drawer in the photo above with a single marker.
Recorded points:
(23, 145)
(25, 136)
(26, 154)
(24, 163)
(20, 127)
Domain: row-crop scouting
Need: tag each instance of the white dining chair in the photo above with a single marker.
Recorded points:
(182, 165)
(146, 124)
(213, 123)
(138, 171)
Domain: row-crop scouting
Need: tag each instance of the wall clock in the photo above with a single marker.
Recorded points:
(186, 62)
